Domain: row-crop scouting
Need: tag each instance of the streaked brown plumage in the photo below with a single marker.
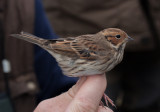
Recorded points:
(86, 54)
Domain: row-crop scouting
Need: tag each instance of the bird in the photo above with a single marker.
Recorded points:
(84, 55)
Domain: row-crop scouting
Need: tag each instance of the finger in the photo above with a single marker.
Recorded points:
(89, 95)
(104, 109)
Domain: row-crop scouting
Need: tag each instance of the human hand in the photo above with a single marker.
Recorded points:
(84, 96)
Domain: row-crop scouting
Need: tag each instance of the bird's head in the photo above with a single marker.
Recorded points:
(116, 37)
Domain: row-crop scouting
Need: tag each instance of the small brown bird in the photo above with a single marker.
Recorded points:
(86, 54)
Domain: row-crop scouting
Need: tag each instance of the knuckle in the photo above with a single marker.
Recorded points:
(71, 92)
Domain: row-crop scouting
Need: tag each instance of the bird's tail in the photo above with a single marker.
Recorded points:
(30, 38)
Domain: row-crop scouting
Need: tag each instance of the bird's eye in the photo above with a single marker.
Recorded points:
(118, 36)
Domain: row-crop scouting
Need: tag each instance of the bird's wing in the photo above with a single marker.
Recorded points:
(86, 47)
(83, 47)
(61, 46)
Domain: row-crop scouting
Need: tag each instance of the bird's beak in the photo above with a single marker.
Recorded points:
(129, 38)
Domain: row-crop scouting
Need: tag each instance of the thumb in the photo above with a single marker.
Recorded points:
(89, 95)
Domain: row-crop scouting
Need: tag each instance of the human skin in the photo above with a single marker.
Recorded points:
(84, 96)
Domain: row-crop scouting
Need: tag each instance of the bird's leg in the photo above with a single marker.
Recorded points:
(107, 99)
(101, 104)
